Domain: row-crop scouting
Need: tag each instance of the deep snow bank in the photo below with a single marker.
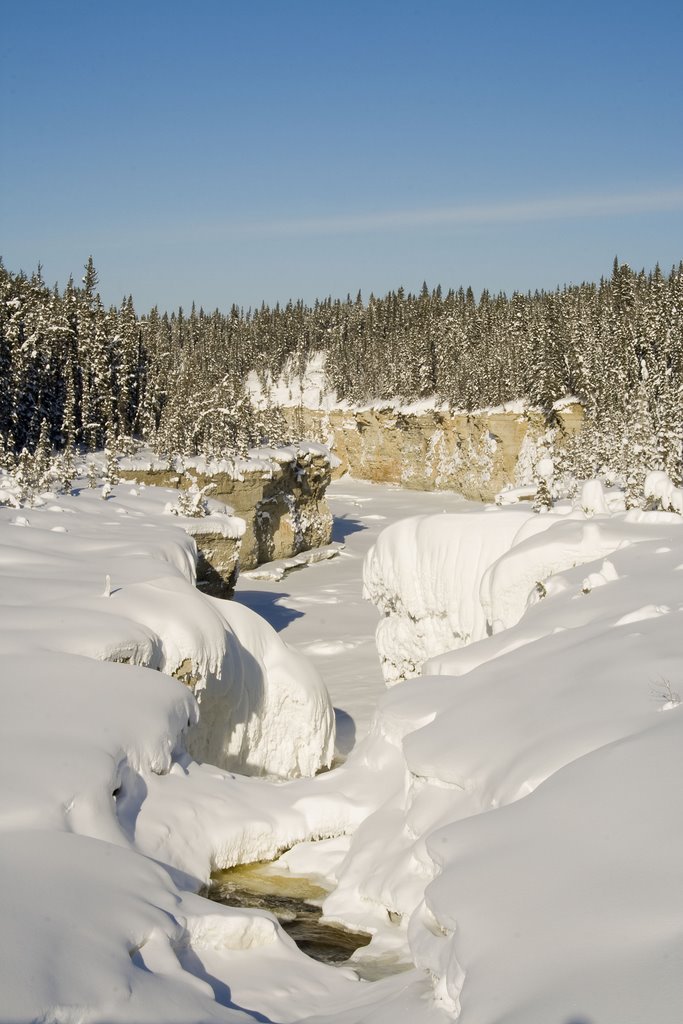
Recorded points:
(531, 778)
(529, 852)
(102, 812)
(424, 575)
(444, 581)
(113, 580)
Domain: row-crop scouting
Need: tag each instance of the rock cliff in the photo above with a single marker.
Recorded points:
(476, 454)
(279, 493)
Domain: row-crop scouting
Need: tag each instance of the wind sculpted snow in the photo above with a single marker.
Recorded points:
(563, 901)
(506, 826)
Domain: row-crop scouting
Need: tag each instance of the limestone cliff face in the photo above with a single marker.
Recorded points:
(280, 495)
(286, 511)
(475, 454)
(218, 563)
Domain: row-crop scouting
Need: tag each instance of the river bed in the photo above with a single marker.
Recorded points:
(296, 902)
(320, 609)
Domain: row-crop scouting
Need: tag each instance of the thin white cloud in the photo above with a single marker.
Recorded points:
(519, 212)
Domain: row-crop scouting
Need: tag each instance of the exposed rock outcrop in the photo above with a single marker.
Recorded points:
(476, 454)
(279, 493)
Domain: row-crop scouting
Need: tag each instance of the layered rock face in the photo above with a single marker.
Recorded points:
(279, 493)
(475, 454)
(218, 560)
(285, 511)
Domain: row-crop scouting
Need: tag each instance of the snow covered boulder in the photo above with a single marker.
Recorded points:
(445, 581)
(265, 708)
(424, 575)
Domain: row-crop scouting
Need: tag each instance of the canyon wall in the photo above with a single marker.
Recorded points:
(476, 454)
(279, 493)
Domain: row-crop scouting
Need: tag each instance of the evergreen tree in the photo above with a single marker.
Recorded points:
(177, 381)
(42, 458)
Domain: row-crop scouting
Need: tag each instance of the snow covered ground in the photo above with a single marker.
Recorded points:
(535, 846)
(508, 825)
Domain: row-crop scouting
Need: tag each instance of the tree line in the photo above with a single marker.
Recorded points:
(96, 377)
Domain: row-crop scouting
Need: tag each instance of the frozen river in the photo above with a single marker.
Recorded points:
(320, 609)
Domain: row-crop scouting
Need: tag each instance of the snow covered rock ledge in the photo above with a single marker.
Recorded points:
(278, 492)
(425, 446)
(445, 581)
(263, 707)
(114, 581)
(530, 853)
(424, 575)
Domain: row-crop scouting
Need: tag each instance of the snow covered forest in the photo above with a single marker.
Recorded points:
(97, 376)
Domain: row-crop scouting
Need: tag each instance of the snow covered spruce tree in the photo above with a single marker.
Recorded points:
(177, 380)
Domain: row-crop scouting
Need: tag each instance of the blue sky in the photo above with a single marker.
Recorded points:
(238, 152)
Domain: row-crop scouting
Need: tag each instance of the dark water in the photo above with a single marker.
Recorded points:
(296, 904)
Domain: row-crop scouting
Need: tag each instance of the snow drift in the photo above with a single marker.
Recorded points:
(114, 581)
(424, 575)
(529, 854)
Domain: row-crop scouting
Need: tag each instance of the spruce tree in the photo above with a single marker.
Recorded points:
(42, 459)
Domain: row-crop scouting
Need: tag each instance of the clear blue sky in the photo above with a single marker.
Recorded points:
(238, 151)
